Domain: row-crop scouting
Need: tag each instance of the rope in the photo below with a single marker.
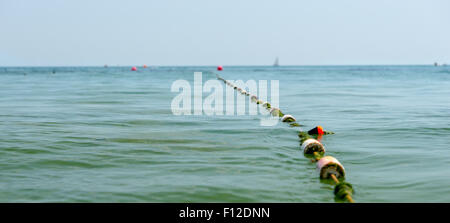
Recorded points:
(317, 156)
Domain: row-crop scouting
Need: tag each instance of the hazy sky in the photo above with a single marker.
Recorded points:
(231, 32)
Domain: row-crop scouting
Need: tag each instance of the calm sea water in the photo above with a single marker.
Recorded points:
(94, 134)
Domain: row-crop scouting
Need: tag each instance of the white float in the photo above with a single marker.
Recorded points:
(310, 146)
(288, 118)
(329, 165)
(275, 111)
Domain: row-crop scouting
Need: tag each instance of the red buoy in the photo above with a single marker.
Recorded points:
(318, 130)
(133, 69)
(219, 68)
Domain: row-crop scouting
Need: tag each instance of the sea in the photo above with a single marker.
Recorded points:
(109, 134)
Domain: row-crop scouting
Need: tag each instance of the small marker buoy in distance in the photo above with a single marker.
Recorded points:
(145, 66)
(133, 69)
(219, 68)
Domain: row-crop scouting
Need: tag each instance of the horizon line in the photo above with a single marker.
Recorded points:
(250, 65)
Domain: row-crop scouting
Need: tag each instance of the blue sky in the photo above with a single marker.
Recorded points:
(206, 32)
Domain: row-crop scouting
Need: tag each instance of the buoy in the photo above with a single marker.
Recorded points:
(219, 68)
(243, 92)
(145, 66)
(343, 190)
(133, 69)
(318, 130)
(266, 105)
(310, 145)
(254, 98)
(276, 112)
(328, 166)
(288, 118)
(259, 102)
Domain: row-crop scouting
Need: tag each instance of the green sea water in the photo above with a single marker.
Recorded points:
(95, 134)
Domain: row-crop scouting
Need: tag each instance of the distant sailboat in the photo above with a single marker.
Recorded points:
(276, 64)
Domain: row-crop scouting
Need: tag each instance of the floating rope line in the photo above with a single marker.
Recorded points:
(328, 166)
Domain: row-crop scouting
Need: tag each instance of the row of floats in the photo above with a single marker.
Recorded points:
(329, 167)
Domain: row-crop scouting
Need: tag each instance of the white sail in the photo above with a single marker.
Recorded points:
(276, 64)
